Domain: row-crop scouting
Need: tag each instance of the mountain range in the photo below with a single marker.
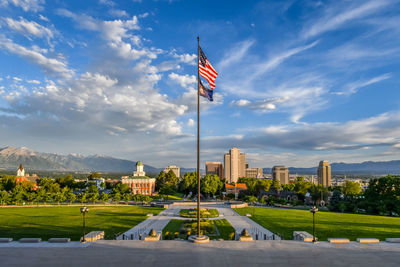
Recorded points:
(11, 157)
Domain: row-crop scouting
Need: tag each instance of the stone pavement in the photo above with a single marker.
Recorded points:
(215, 253)
(160, 221)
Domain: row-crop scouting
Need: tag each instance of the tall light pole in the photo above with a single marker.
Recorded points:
(313, 211)
(84, 210)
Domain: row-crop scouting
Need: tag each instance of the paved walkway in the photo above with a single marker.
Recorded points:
(160, 221)
(216, 253)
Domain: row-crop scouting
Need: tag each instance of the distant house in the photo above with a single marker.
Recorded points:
(283, 194)
(22, 178)
(235, 189)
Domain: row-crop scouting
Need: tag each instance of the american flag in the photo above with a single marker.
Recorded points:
(206, 70)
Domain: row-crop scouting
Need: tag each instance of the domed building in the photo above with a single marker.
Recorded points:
(139, 183)
(139, 170)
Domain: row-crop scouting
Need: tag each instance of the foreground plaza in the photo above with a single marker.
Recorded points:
(215, 253)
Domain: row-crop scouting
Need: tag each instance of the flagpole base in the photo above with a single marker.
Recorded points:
(199, 239)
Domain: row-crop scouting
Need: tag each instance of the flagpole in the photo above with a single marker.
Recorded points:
(198, 138)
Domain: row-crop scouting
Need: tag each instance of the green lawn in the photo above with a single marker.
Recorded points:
(204, 213)
(328, 224)
(183, 228)
(47, 222)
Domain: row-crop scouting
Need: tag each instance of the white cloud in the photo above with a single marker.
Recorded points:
(190, 122)
(353, 87)
(34, 81)
(26, 5)
(107, 2)
(275, 61)
(29, 28)
(235, 54)
(41, 17)
(144, 15)
(117, 33)
(186, 58)
(118, 13)
(48, 65)
(338, 19)
(185, 81)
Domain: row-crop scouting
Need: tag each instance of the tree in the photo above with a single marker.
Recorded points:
(116, 197)
(288, 187)
(167, 179)
(41, 195)
(264, 185)
(4, 197)
(251, 184)
(189, 182)
(351, 189)
(211, 184)
(317, 192)
(105, 197)
(383, 196)
(8, 182)
(83, 197)
(121, 188)
(94, 175)
(167, 190)
(30, 197)
(251, 199)
(93, 193)
(17, 194)
(276, 185)
(58, 197)
(301, 187)
(67, 181)
(71, 196)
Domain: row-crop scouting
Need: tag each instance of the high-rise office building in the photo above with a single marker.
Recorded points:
(280, 173)
(254, 172)
(215, 167)
(235, 165)
(324, 173)
(175, 169)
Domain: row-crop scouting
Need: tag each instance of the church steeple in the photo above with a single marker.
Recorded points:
(20, 171)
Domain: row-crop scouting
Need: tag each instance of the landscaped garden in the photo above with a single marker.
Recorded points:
(47, 222)
(204, 213)
(214, 229)
(327, 224)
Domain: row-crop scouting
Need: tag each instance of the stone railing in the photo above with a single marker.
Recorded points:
(93, 236)
(238, 206)
(302, 236)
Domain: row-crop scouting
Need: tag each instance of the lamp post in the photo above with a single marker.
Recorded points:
(84, 210)
(313, 211)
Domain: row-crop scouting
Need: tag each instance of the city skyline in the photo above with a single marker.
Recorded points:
(299, 82)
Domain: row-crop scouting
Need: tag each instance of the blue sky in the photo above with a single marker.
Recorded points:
(300, 81)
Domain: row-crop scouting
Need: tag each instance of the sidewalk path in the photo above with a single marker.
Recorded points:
(160, 221)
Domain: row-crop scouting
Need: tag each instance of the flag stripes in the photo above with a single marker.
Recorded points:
(206, 70)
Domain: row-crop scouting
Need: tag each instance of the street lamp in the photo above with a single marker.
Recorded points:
(84, 210)
(313, 211)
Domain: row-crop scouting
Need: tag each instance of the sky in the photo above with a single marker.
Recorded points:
(299, 81)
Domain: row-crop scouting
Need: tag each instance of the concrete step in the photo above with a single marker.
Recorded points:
(60, 240)
(338, 240)
(393, 240)
(367, 240)
(30, 240)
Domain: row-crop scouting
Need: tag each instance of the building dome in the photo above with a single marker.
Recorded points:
(139, 163)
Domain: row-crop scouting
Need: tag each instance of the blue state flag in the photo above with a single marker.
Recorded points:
(205, 92)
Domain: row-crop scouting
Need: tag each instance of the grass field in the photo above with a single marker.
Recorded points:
(47, 222)
(180, 228)
(327, 224)
(204, 213)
